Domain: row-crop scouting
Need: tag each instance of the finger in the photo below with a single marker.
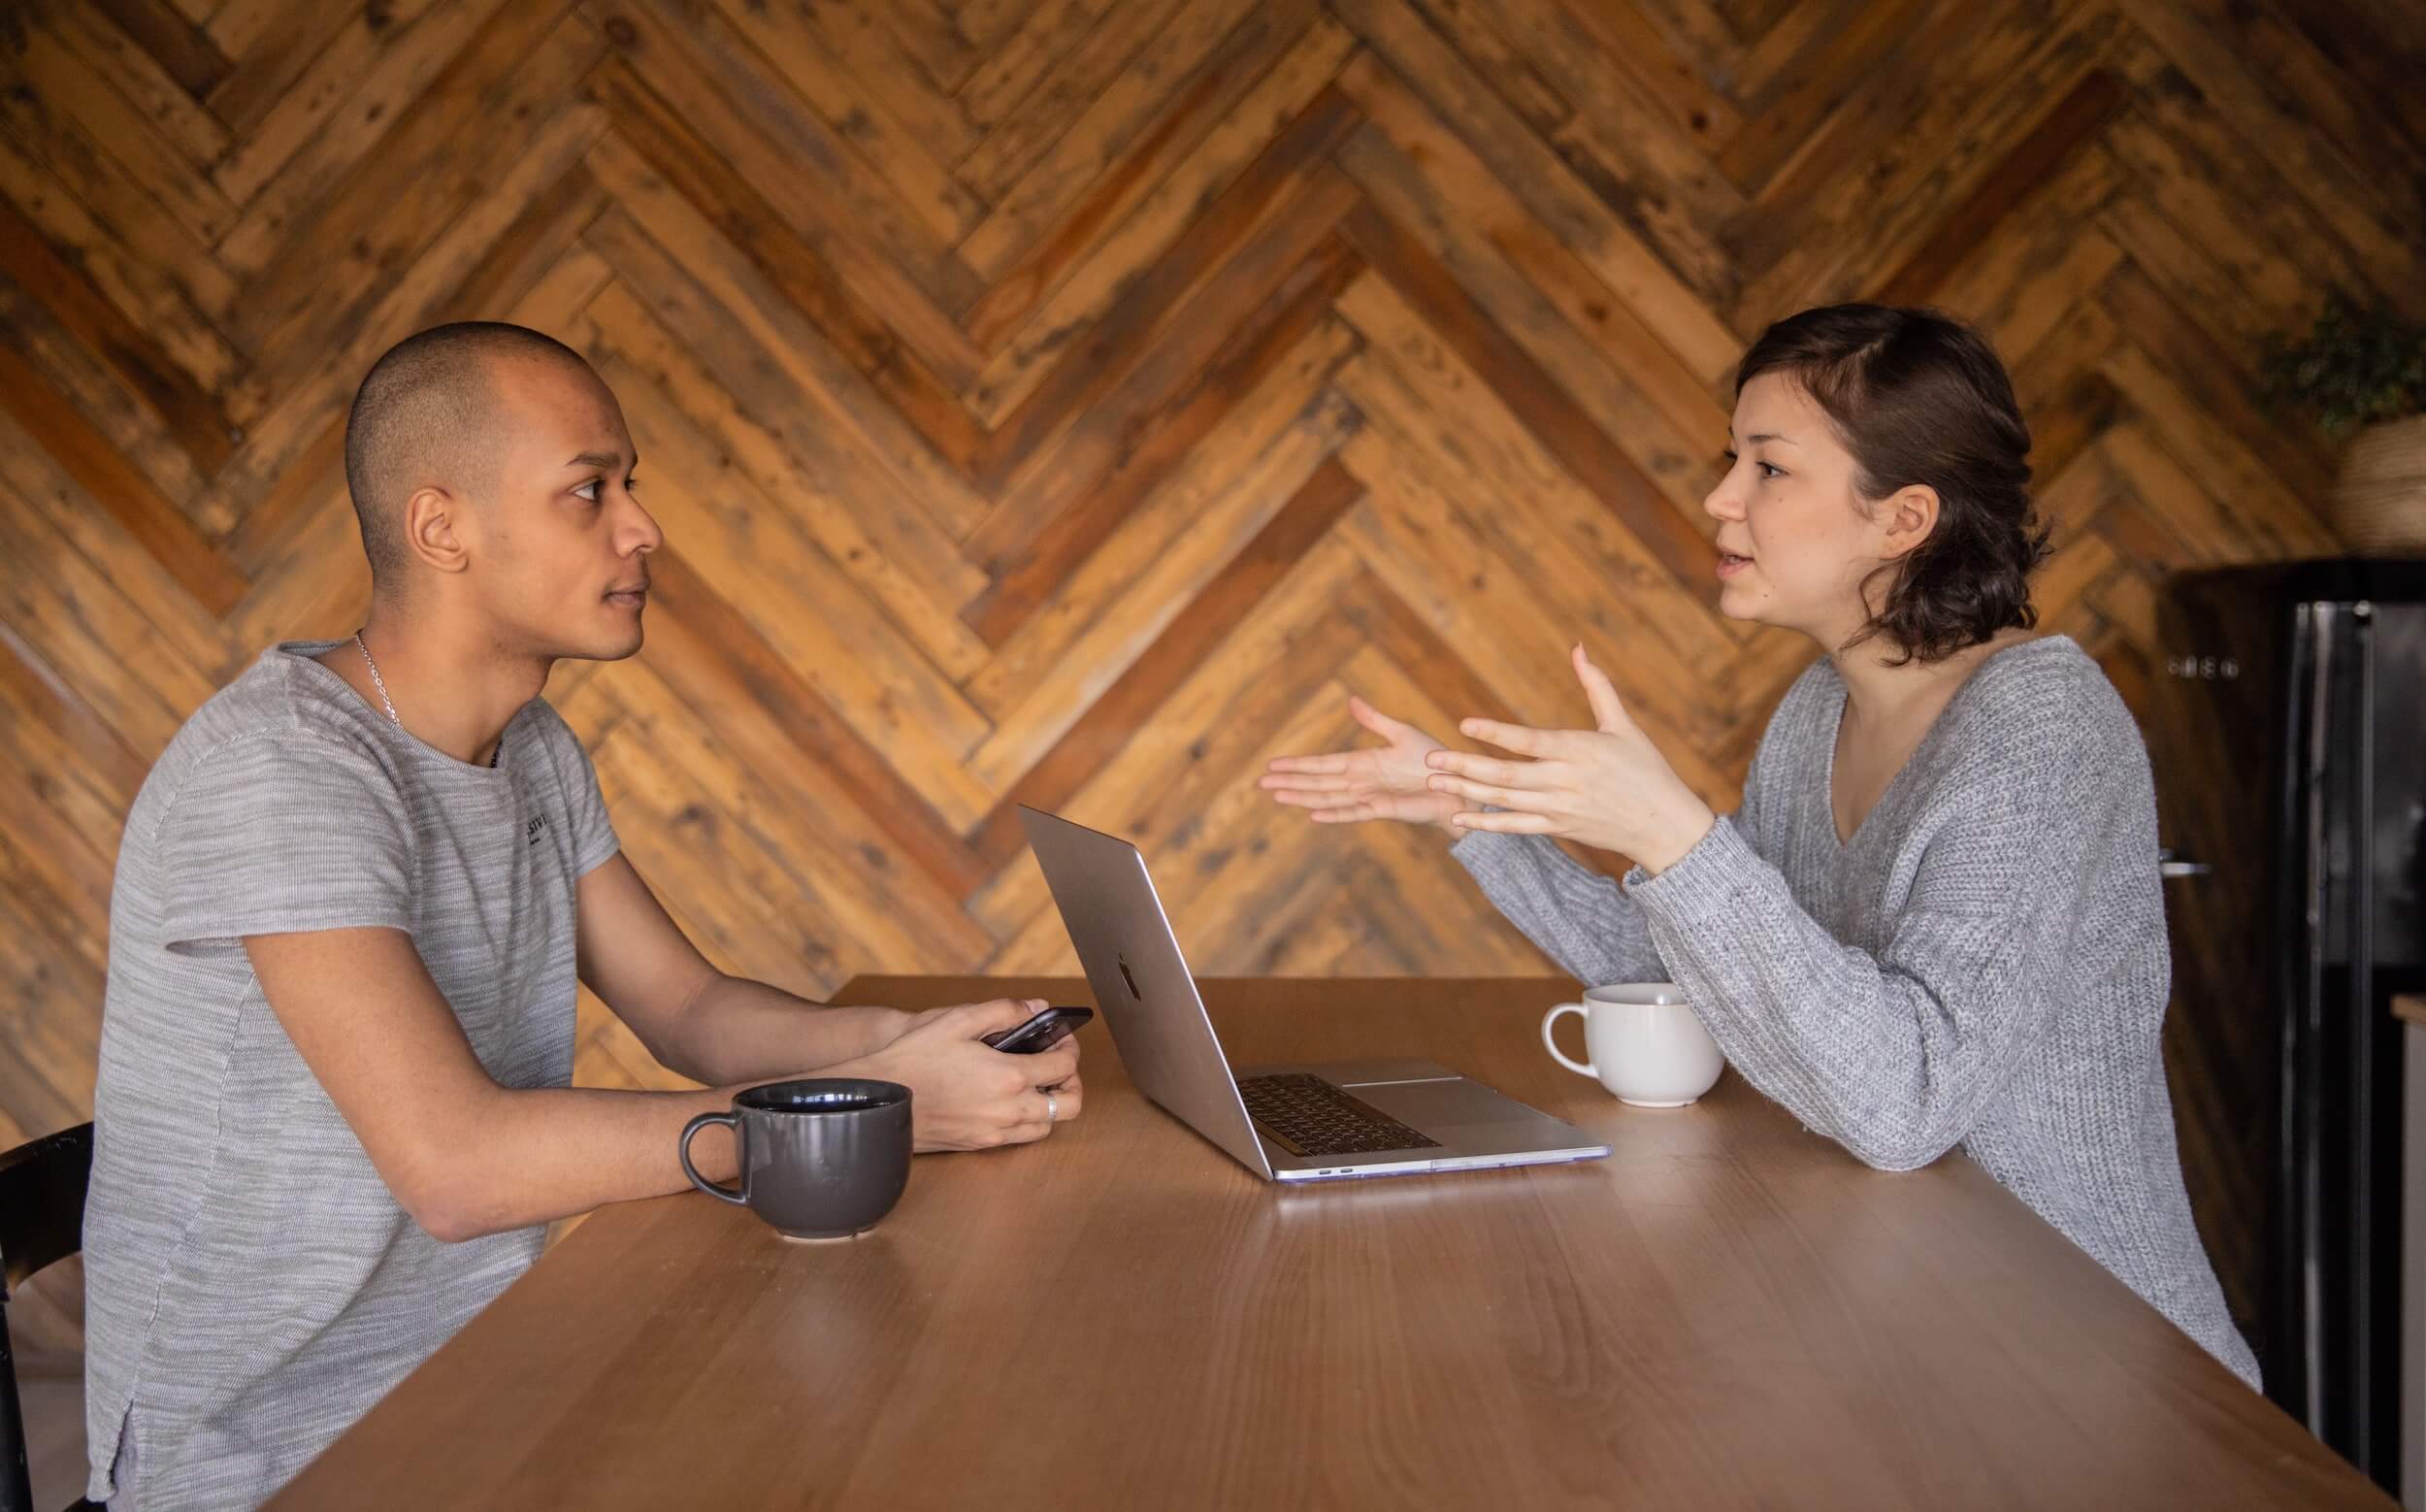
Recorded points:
(1520, 739)
(1334, 762)
(1302, 783)
(1057, 1065)
(1485, 792)
(1485, 769)
(975, 1020)
(1608, 709)
(1349, 813)
(1511, 823)
(1374, 719)
(1296, 800)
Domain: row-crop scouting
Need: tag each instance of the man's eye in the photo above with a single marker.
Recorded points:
(631, 485)
(588, 491)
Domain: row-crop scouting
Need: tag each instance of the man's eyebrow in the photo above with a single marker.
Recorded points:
(601, 459)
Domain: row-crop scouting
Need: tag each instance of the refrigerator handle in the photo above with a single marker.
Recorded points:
(2169, 866)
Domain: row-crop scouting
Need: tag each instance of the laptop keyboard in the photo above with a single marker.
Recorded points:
(1307, 1115)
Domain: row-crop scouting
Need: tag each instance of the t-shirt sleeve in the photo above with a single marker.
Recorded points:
(282, 833)
(594, 840)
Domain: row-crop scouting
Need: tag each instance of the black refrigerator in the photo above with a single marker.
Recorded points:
(2287, 730)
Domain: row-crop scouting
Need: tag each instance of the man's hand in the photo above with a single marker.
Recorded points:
(966, 1094)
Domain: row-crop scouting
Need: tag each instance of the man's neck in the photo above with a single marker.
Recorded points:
(450, 691)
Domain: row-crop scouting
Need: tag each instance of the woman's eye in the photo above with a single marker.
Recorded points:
(1766, 471)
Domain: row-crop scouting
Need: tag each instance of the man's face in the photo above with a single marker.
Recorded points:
(563, 543)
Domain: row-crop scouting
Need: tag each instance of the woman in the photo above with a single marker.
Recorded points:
(1935, 920)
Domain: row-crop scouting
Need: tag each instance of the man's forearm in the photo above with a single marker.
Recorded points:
(734, 1030)
(531, 1156)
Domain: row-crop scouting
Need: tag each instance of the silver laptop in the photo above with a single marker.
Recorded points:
(1393, 1117)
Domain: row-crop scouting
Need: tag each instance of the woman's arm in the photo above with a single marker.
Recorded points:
(1580, 918)
(1895, 1055)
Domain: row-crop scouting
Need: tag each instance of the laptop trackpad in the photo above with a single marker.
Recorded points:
(1447, 1109)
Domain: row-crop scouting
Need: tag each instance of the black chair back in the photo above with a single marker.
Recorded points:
(41, 1221)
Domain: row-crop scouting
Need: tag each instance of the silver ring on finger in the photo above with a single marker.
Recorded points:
(1052, 1107)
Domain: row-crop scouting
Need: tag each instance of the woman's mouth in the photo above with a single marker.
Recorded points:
(1729, 564)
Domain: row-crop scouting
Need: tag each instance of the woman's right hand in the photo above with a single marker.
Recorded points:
(1387, 781)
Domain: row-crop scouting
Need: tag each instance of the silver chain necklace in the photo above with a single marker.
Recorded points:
(380, 683)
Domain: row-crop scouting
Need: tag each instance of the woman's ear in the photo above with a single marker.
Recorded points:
(1910, 515)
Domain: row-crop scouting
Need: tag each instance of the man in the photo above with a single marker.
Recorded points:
(353, 900)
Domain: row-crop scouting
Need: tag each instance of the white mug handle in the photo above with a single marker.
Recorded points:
(1550, 1021)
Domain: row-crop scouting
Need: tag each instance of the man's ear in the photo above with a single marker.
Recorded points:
(430, 515)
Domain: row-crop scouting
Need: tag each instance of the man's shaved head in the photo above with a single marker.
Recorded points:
(427, 413)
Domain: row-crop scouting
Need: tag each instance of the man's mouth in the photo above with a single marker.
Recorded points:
(629, 595)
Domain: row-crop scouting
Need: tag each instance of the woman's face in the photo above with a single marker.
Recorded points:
(1796, 541)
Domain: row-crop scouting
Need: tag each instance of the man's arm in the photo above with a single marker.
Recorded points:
(466, 1156)
(695, 1020)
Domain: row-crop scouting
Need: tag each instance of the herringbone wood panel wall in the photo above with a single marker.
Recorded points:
(1069, 403)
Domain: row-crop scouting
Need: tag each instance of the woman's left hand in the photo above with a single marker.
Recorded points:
(1608, 788)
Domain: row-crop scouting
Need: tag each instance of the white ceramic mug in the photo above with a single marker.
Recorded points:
(1645, 1045)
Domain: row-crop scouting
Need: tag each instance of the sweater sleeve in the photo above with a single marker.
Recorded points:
(1581, 919)
(1895, 1055)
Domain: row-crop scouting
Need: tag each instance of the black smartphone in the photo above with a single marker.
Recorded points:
(1042, 1033)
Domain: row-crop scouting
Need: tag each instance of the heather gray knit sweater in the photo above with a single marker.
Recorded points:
(1985, 965)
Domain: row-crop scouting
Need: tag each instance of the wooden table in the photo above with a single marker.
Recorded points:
(1728, 1312)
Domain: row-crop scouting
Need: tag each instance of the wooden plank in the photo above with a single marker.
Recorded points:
(269, 44)
(113, 38)
(1170, 427)
(1209, 617)
(1559, 533)
(1217, 496)
(1037, 715)
(679, 162)
(57, 148)
(1665, 73)
(2269, 516)
(1829, 70)
(175, 47)
(899, 560)
(2039, 156)
(1096, 271)
(168, 301)
(59, 76)
(1480, 32)
(864, 440)
(330, 263)
(759, 557)
(1896, 198)
(1215, 728)
(1016, 63)
(90, 746)
(1062, 206)
(1679, 381)
(925, 31)
(802, 173)
(1149, 306)
(1679, 464)
(2210, 378)
(1569, 433)
(1536, 175)
(411, 302)
(345, 101)
(1099, 89)
(178, 398)
(2233, 207)
(749, 694)
(2376, 214)
(2045, 258)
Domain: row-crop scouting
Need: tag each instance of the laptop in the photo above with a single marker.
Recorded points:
(1383, 1117)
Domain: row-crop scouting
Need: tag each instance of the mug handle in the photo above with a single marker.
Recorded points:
(1550, 1021)
(731, 1195)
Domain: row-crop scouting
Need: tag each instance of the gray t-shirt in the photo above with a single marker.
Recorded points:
(1981, 967)
(252, 1286)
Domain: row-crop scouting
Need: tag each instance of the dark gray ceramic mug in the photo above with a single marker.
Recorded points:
(820, 1160)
